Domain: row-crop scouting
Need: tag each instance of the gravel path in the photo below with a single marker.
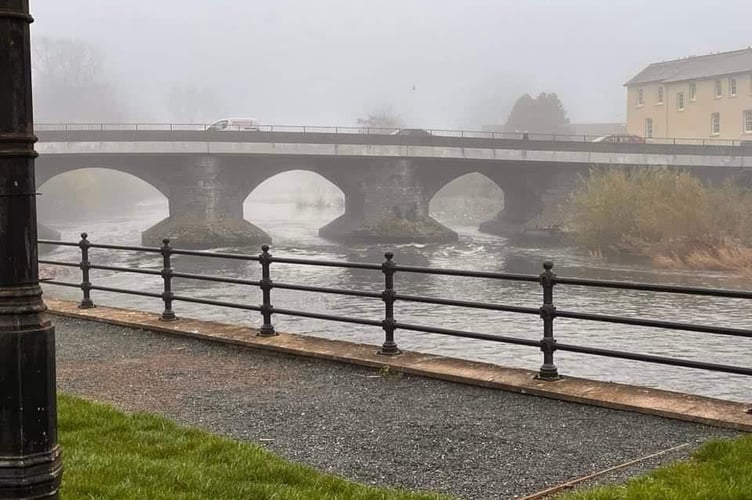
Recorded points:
(372, 427)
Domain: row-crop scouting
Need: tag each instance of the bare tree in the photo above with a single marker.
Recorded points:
(69, 83)
(381, 118)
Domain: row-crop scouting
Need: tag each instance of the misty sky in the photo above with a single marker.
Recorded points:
(331, 61)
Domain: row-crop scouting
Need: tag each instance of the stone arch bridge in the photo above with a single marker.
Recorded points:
(388, 180)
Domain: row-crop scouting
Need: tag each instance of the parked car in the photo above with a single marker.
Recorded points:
(413, 132)
(621, 139)
(235, 124)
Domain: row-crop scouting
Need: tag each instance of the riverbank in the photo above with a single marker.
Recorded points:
(374, 427)
(670, 217)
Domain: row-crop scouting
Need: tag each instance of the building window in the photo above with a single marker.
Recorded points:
(680, 101)
(715, 123)
(648, 127)
(640, 97)
(748, 121)
(659, 95)
(732, 86)
(692, 91)
(718, 89)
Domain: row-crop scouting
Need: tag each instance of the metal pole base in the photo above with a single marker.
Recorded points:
(31, 476)
(389, 349)
(266, 331)
(30, 458)
(548, 373)
(168, 316)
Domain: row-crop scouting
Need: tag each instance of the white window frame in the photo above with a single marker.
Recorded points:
(715, 123)
(659, 95)
(680, 101)
(732, 86)
(692, 92)
(747, 121)
(640, 97)
(718, 89)
(648, 128)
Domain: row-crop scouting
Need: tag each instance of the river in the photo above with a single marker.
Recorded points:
(294, 231)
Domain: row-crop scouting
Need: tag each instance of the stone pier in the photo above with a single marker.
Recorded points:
(206, 210)
(535, 205)
(386, 202)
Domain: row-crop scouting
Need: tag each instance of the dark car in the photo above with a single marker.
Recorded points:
(621, 139)
(413, 132)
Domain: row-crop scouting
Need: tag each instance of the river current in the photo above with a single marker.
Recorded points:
(295, 233)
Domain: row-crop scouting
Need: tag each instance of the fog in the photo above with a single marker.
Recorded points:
(436, 63)
(421, 64)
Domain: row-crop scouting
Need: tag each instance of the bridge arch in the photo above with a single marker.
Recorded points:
(87, 193)
(148, 169)
(468, 199)
(294, 200)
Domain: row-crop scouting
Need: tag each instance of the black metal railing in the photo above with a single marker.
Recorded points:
(548, 312)
(619, 138)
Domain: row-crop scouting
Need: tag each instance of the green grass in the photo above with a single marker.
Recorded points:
(111, 454)
(719, 470)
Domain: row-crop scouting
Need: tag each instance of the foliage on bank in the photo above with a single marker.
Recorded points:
(668, 216)
(111, 454)
(719, 470)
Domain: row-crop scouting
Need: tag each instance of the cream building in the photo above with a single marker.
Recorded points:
(702, 97)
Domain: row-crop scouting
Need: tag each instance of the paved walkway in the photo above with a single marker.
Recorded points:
(370, 426)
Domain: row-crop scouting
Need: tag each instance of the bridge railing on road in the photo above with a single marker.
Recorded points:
(314, 129)
(389, 295)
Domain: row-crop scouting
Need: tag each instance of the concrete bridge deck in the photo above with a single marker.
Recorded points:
(373, 426)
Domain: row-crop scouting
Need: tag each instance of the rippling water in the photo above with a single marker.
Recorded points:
(295, 234)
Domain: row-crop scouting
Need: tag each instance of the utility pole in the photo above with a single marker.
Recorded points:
(30, 458)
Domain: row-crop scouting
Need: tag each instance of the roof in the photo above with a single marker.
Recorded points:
(696, 67)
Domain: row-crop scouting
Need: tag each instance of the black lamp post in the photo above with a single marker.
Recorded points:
(30, 461)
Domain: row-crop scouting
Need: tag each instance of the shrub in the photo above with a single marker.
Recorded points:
(667, 215)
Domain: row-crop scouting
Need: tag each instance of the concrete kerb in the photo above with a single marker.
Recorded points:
(686, 407)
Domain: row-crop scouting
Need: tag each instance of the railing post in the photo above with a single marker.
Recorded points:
(548, 370)
(389, 347)
(266, 283)
(167, 296)
(85, 265)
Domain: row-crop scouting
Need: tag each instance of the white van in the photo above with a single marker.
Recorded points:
(235, 124)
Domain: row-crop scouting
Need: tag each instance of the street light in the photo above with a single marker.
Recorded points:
(30, 459)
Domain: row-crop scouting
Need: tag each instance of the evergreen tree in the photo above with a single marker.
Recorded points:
(544, 114)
